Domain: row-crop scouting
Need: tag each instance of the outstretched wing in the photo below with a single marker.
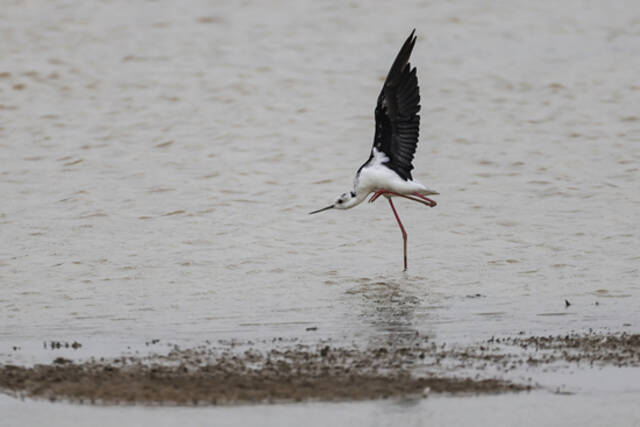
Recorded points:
(397, 119)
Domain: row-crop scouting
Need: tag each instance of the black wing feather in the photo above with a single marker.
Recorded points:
(397, 119)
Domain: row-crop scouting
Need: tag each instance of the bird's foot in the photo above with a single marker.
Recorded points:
(432, 203)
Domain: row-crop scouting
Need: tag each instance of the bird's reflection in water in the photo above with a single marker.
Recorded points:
(393, 312)
(393, 308)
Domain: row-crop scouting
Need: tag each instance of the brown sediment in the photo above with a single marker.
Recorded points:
(599, 349)
(240, 373)
(220, 384)
(198, 377)
(616, 349)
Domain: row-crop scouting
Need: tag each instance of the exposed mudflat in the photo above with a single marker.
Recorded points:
(187, 377)
(240, 374)
(621, 349)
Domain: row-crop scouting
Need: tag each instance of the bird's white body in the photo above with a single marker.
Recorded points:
(375, 176)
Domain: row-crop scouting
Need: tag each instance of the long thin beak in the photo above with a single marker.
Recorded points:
(320, 210)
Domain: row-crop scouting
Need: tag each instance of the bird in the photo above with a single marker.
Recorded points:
(387, 171)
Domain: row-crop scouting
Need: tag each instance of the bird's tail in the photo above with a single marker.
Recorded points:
(428, 192)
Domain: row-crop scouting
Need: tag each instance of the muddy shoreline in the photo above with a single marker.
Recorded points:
(216, 385)
(235, 374)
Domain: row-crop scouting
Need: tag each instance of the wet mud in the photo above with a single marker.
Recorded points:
(224, 384)
(240, 373)
(205, 376)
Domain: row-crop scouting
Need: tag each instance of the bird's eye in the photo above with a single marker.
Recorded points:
(339, 201)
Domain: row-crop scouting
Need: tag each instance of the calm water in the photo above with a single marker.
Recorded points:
(158, 160)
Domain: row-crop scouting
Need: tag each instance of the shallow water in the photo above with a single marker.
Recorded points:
(158, 162)
(533, 409)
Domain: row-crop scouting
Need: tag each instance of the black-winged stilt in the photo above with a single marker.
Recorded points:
(387, 172)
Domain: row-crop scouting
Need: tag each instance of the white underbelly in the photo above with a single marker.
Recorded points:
(375, 178)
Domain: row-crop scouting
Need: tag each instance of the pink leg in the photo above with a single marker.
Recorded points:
(414, 199)
(433, 202)
(376, 195)
(381, 192)
(404, 233)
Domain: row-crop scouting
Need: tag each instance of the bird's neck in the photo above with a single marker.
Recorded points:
(357, 198)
